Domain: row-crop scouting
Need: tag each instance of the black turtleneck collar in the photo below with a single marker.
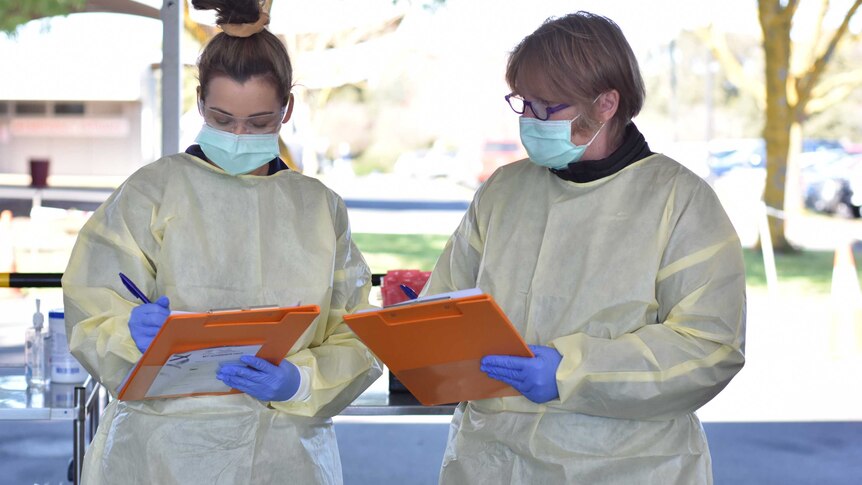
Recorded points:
(275, 165)
(633, 148)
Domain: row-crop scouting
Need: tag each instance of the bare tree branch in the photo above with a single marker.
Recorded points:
(790, 10)
(772, 13)
(818, 32)
(806, 83)
(828, 100)
(852, 79)
(717, 44)
(201, 33)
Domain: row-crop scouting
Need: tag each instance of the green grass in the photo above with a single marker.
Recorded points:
(803, 273)
(400, 251)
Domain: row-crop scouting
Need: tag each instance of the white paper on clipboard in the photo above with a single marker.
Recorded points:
(195, 371)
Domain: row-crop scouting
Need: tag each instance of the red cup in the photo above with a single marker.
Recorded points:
(39, 172)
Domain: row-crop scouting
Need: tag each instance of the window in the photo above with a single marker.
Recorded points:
(30, 108)
(68, 108)
(104, 108)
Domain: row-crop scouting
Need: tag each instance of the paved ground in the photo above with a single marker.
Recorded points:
(379, 452)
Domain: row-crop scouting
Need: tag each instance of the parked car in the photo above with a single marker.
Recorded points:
(834, 186)
(732, 154)
(750, 153)
(496, 153)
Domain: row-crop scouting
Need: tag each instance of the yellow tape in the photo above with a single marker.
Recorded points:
(4, 280)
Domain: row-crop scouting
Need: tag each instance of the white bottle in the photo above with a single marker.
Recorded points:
(64, 367)
(35, 355)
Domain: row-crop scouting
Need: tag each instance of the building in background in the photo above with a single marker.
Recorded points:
(80, 91)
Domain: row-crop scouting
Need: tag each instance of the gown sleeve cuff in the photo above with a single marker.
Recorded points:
(303, 392)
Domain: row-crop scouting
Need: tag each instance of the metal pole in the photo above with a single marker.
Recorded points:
(172, 22)
(766, 248)
(79, 423)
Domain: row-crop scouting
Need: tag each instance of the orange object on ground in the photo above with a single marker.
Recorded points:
(435, 347)
(275, 330)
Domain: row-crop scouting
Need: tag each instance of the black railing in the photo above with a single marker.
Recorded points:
(52, 280)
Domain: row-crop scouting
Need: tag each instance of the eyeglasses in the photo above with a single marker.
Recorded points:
(540, 109)
(259, 124)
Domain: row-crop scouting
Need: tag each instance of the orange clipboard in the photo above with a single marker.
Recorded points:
(273, 330)
(435, 347)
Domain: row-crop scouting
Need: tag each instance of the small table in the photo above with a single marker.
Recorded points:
(82, 404)
(376, 402)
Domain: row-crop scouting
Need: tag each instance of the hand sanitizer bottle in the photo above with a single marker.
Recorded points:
(34, 352)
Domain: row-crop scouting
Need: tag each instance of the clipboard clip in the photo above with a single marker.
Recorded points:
(245, 308)
(419, 300)
(219, 310)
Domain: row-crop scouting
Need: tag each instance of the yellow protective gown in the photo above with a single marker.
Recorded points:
(637, 280)
(183, 228)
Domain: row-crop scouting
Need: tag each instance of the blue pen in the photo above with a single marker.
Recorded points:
(134, 289)
(408, 291)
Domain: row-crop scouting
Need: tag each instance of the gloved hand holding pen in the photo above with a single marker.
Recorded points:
(262, 380)
(534, 377)
(146, 320)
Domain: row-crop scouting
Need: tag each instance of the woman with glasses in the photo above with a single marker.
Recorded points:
(617, 264)
(223, 225)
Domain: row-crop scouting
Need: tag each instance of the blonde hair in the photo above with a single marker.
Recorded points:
(579, 57)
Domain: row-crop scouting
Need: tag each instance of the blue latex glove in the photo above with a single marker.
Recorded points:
(260, 379)
(534, 377)
(146, 320)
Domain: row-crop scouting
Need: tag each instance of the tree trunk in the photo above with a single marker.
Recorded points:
(776, 23)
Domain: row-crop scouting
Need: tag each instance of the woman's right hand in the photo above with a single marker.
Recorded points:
(146, 320)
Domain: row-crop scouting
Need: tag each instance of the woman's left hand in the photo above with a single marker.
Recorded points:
(260, 379)
(534, 377)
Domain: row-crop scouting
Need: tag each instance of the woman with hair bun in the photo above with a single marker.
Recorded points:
(225, 224)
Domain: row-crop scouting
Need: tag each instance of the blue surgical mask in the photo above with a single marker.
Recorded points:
(549, 143)
(237, 154)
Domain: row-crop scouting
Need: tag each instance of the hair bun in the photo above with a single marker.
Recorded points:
(232, 11)
(240, 18)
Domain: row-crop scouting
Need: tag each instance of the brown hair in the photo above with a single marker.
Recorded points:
(579, 57)
(240, 58)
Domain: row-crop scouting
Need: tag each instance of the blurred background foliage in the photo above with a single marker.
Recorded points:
(14, 13)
